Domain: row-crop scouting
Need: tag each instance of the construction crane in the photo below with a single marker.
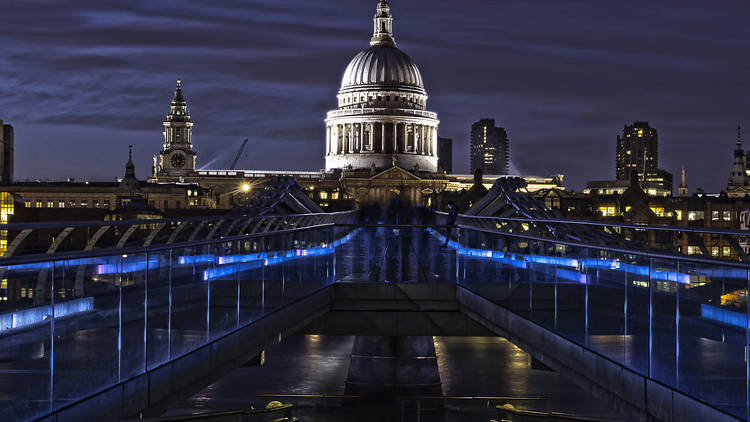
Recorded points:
(237, 157)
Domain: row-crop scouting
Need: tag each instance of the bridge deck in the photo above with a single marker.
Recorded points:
(678, 323)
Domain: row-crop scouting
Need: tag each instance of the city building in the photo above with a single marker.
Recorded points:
(683, 189)
(737, 184)
(382, 118)
(381, 144)
(177, 157)
(489, 148)
(445, 154)
(636, 155)
(59, 197)
(656, 183)
(700, 210)
(637, 149)
(6, 153)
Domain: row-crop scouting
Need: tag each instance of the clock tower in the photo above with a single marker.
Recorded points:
(177, 157)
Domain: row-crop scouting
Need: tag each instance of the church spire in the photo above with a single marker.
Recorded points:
(683, 189)
(682, 176)
(382, 34)
(739, 137)
(178, 110)
(738, 176)
(130, 167)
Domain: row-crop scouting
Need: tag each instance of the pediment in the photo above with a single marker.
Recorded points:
(394, 173)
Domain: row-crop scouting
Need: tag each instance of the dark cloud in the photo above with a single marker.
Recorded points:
(82, 79)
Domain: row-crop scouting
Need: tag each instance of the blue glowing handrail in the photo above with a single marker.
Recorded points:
(612, 224)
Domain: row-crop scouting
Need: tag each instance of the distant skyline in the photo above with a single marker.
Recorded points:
(81, 80)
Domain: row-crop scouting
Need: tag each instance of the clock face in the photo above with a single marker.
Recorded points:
(178, 161)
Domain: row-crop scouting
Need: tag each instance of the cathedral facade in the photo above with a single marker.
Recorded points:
(380, 143)
(382, 118)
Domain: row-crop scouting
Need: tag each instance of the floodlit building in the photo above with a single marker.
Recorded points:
(637, 149)
(382, 118)
(489, 148)
(636, 155)
(381, 143)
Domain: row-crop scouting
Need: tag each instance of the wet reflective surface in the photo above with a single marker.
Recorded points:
(477, 373)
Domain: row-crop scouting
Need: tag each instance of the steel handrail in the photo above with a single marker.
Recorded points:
(656, 255)
(96, 253)
(23, 259)
(98, 223)
(615, 224)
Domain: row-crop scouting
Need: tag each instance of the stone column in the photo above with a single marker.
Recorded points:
(352, 139)
(339, 140)
(431, 133)
(347, 138)
(328, 140)
(422, 144)
(417, 139)
(414, 138)
(372, 137)
(382, 136)
(363, 140)
(406, 137)
(395, 138)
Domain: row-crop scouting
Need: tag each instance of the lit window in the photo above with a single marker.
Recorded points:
(335, 195)
(27, 204)
(61, 204)
(96, 203)
(715, 215)
(608, 211)
(659, 211)
(84, 203)
(38, 203)
(726, 251)
(50, 203)
(323, 195)
(714, 251)
(691, 250)
(678, 214)
(727, 215)
(72, 203)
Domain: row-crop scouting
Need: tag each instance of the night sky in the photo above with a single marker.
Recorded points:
(80, 80)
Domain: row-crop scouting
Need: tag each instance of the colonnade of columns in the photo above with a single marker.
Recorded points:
(381, 137)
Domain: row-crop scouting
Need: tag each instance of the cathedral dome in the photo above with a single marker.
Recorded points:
(382, 118)
(382, 66)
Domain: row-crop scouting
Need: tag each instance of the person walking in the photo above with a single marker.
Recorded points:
(451, 221)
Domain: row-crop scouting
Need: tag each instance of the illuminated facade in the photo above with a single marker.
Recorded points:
(381, 143)
(177, 157)
(90, 199)
(737, 185)
(382, 118)
(489, 148)
(637, 149)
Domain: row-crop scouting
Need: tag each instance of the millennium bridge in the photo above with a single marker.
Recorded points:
(114, 320)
